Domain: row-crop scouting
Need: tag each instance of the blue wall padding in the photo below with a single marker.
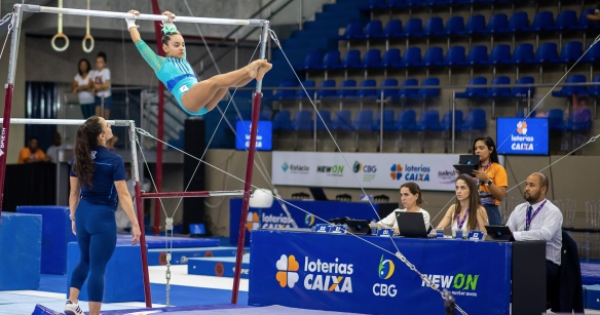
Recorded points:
(20, 251)
(175, 242)
(123, 281)
(56, 234)
(592, 296)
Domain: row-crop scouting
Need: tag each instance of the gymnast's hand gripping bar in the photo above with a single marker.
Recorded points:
(146, 17)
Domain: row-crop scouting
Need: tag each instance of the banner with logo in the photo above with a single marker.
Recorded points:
(345, 274)
(370, 170)
(276, 217)
(523, 136)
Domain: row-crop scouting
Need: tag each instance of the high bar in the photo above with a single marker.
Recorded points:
(146, 17)
(68, 122)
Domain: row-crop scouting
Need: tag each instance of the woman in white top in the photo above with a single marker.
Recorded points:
(459, 215)
(410, 195)
(82, 86)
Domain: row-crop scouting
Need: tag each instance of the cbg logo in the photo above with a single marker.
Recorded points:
(309, 219)
(286, 274)
(385, 271)
(358, 167)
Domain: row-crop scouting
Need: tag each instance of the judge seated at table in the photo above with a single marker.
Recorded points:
(539, 219)
(410, 195)
(32, 153)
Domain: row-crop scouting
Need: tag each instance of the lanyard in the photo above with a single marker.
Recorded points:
(529, 216)
(487, 166)
(460, 223)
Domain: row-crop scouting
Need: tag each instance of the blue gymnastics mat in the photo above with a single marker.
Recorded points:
(178, 242)
(590, 274)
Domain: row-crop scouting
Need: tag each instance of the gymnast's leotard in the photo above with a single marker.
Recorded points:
(176, 73)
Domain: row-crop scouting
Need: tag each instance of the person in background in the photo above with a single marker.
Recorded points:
(467, 214)
(410, 195)
(102, 87)
(539, 219)
(82, 86)
(595, 17)
(56, 146)
(32, 153)
(491, 178)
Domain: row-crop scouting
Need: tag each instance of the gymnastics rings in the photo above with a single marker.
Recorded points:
(88, 36)
(59, 33)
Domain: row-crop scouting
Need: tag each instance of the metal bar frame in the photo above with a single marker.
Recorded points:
(192, 194)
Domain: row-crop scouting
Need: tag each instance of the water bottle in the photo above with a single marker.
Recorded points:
(373, 226)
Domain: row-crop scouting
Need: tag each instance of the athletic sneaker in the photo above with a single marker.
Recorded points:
(72, 309)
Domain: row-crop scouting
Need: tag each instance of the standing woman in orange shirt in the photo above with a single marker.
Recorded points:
(492, 180)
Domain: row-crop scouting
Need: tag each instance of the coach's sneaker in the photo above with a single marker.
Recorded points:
(72, 309)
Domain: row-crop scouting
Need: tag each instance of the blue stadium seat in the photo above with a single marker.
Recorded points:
(474, 25)
(583, 23)
(543, 21)
(594, 90)
(406, 120)
(568, 91)
(353, 31)
(286, 94)
(389, 92)
(312, 61)
(433, 57)
(388, 120)
(592, 55)
(341, 121)
(579, 120)
(446, 123)
(389, 59)
(265, 114)
(374, 5)
(341, 93)
(412, 56)
(367, 89)
(518, 21)
(429, 88)
(326, 115)
(454, 25)
(331, 60)
(454, 57)
(523, 91)
(496, 92)
(472, 90)
(373, 29)
(475, 120)
(371, 59)
(407, 93)
(429, 120)
(363, 120)
(570, 52)
(523, 113)
(497, 24)
(281, 121)
(351, 60)
(309, 85)
(500, 55)
(302, 121)
(326, 93)
(545, 53)
(556, 119)
(522, 54)
(565, 20)
(477, 55)
(412, 28)
(433, 26)
(393, 29)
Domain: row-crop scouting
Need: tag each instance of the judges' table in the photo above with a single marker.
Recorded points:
(275, 217)
(346, 274)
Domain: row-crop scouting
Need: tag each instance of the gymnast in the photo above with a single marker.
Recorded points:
(98, 180)
(195, 98)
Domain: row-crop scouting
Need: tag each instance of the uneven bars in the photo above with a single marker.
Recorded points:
(147, 17)
(67, 122)
(192, 194)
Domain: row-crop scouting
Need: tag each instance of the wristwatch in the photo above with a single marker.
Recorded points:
(488, 183)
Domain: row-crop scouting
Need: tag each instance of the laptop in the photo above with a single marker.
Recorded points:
(499, 233)
(411, 224)
(318, 193)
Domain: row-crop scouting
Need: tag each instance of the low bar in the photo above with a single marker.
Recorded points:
(146, 17)
(62, 122)
(192, 194)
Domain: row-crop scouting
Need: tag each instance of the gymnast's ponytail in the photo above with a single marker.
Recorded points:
(85, 140)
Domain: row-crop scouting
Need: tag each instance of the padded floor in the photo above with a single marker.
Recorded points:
(590, 273)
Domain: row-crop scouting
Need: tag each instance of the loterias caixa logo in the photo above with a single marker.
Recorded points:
(318, 275)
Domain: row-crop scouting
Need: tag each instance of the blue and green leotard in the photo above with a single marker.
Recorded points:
(175, 73)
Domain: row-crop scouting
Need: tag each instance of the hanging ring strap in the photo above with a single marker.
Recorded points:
(88, 36)
(60, 33)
